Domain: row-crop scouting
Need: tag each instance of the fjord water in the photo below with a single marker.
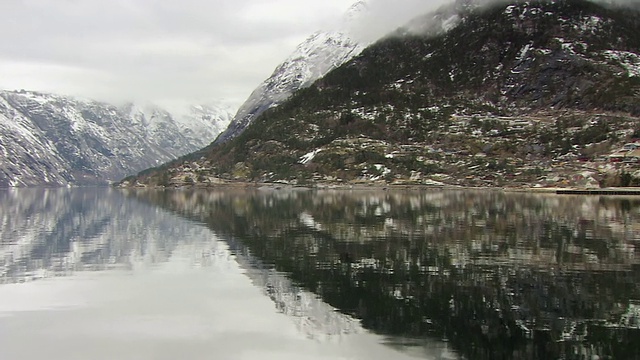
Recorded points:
(275, 274)
(92, 274)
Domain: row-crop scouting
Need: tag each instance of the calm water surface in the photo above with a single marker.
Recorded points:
(193, 274)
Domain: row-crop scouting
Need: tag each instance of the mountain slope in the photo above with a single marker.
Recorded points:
(507, 95)
(54, 140)
(320, 53)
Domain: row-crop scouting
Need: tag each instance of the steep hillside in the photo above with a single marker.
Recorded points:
(54, 140)
(512, 94)
(320, 53)
(312, 59)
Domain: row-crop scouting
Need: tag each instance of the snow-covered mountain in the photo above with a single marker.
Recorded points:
(55, 140)
(326, 50)
(312, 59)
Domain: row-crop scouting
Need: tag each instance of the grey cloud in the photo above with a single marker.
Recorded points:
(385, 16)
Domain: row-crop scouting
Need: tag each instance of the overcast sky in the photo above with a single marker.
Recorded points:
(166, 50)
(161, 50)
(158, 50)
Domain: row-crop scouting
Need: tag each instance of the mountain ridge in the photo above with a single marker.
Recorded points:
(320, 53)
(313, 58)
(55, 140)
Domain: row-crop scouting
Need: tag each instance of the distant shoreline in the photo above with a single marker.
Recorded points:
(632, 191)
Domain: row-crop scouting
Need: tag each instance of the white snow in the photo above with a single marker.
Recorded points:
(365, 114)
(306, 158)
(628, 60)
(433, 183)
(523, 52)
(589, 23)
(566, 45)
(383, 169)
(450, 23)
(312, 59)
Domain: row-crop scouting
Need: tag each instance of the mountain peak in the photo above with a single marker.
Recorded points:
(320, 53)
(356, 11)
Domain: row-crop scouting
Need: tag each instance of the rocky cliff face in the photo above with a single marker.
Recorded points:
(54, 140)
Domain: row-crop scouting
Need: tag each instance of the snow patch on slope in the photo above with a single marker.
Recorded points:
(628, 60)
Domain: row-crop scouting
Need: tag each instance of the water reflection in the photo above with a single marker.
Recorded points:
(498, 276)
(90, 269)
(56, 232)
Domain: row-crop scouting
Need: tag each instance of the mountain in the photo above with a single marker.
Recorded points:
(311, 60)
(528, 93)
(204, 122)
(54, 140)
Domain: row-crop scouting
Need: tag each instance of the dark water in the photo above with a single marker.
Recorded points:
(92, 274)
(194, 274)
(496, 276)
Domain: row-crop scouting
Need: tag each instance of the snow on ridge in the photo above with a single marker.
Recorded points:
(450, 23)
(316, 56)
(312, 59)
(210, 119)
(356, 11)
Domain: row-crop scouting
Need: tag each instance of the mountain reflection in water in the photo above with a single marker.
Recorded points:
(496, 275)
(92, 274)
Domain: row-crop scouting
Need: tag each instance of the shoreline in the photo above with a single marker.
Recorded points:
(264, 186)
(613, 191)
